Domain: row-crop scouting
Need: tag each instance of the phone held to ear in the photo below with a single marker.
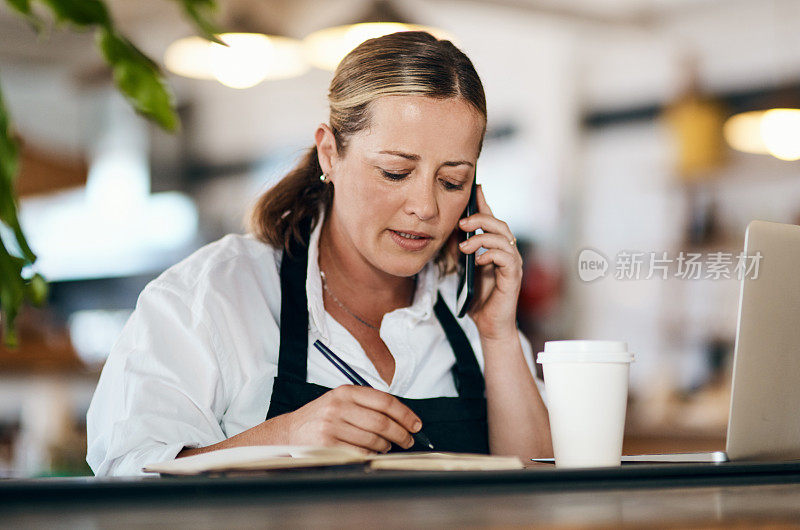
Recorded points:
(466, 269)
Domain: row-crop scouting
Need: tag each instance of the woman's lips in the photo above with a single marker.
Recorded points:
(407, 243)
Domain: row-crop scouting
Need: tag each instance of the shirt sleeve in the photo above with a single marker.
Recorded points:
(161, 388)
(527, 351)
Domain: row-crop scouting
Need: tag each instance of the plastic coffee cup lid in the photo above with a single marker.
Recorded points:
(596, 351)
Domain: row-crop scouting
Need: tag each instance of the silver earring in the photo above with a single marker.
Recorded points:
(323, 177)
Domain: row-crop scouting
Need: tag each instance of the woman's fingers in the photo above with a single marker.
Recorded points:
(483, 206)
(336, 442)
(380, 429)
(487, 223)
(488, 241)
(386, 404)
(381, 416)
(353, 435)
(485, 220)
(503, 260)
(356, 416)
(501, 270)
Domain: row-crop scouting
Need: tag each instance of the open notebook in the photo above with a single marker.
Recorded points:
(273, 457)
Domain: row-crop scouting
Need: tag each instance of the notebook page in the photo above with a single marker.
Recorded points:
(257, 457)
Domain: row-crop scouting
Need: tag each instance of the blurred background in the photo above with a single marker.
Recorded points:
(615, 125)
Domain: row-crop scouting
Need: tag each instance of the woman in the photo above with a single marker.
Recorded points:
(354, 247)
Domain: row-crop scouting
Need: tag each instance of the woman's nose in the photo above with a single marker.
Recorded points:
(421, 199)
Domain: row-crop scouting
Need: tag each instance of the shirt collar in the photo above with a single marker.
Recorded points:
(316, 308)
(424, 296)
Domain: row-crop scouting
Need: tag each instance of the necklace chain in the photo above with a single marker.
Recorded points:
(340, 304)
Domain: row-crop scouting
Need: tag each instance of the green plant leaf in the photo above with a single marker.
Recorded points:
(37, 289)
(117, 48)
(21, 6)
(200, 11)
(9, 162)
(8, 214)
(8, 157)
(8, 148)
(139, 78)
(136, 76)
(14, 289)
(12, 293)
(80, 12)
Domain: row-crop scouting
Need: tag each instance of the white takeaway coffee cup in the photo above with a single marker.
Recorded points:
(587, 392)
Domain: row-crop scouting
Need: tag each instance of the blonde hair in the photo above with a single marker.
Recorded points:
(404, 63)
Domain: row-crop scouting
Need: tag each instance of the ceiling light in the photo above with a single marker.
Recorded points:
(248, 58)
(190, 57)
(775, 132)
(780, 129)
(743, 132)
(327, 47)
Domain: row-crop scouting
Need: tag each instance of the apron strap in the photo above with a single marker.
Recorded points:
(293, 352)
(466, 372)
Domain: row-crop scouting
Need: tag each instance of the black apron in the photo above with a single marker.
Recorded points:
(452, 423)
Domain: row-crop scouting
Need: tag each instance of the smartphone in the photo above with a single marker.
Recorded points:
(466, 268)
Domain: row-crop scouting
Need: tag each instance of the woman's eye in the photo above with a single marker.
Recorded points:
(451, 186)
(400, 176)
(393, 176)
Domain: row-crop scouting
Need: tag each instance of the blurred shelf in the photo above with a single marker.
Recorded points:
(43, 172)
(43, 347)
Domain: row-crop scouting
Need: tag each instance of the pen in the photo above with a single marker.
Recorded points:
(356, 379)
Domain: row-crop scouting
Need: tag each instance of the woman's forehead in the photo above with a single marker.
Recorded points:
(423, 124)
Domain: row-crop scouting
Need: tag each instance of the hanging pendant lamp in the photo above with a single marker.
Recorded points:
(773, 129)
(250, 57)
(327, 47)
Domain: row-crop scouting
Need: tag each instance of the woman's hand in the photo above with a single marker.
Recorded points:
(351, 416)
(494, 310)
(356, 416)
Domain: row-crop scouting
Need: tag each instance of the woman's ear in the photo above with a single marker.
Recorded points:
(326, 148)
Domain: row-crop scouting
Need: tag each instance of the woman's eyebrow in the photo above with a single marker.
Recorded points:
(416, 158)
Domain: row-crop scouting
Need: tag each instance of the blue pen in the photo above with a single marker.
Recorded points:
(356, 379)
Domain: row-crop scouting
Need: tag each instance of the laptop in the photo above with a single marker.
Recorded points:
(764, 417)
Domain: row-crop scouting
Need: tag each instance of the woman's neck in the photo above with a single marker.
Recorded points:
(356, 282)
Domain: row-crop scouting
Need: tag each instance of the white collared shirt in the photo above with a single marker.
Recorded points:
(195, 362)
